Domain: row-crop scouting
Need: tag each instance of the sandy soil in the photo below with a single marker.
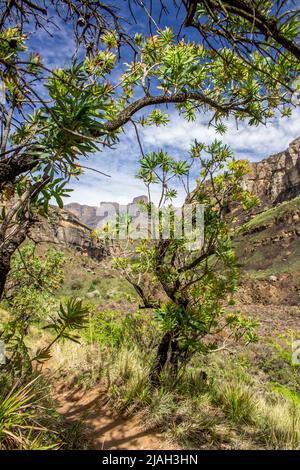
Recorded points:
(104, 429)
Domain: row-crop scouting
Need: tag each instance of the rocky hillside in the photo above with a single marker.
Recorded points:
(277, 178)
(268, 248)
(64, 229)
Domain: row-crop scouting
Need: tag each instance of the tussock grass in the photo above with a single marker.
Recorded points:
(127, 380)
(26, 417)
(237, 400)
(278, 429)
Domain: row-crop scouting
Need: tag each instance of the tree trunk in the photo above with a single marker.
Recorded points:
(4, 269)
(15, 225)
(174, 357)
(161, 359)
(8, 247)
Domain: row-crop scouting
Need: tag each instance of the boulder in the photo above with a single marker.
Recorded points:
(92, 294)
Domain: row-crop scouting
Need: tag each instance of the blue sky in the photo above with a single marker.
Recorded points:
(253, 143)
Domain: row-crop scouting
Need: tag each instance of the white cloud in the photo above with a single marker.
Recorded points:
(253, 143)
(121, 187)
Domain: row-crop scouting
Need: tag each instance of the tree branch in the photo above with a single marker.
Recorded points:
(11, 167)
(267, 25)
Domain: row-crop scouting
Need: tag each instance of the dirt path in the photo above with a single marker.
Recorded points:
(102, 428)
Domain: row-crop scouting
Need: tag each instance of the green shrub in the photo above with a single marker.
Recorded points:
(113, 328)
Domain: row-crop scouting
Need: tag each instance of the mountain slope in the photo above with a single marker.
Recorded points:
(268, 248)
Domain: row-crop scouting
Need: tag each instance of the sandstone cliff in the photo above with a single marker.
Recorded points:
(63, 228)
(86, 214)
(92, 215)
(276, 178)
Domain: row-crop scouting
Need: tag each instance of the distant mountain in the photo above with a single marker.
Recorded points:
(274, 180)
(92, 215)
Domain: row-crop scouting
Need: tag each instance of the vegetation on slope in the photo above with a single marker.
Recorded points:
(271, 216)
(268, 244)
(222, 401)
(232, 399)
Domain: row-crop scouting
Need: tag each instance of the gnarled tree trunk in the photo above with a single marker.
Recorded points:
(167, 351)
(9, 243)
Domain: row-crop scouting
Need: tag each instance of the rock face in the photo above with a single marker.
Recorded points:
(276, 178)
(64, 228)
(92, 215)
(85, 214)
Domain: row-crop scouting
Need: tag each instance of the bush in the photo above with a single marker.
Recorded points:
(76, 285)
(112, 328)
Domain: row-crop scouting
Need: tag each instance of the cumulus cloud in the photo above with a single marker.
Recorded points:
(253, 143)
(121, 187)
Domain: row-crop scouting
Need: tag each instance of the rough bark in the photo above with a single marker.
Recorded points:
(7, 249)
(160, 359)
(12, 167)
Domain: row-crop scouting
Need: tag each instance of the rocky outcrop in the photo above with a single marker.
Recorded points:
(85, 214)
(276, 178)
(92, 215)
(63, 228)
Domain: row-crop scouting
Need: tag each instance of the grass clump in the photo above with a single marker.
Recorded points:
(28, 420)
(238, 401)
